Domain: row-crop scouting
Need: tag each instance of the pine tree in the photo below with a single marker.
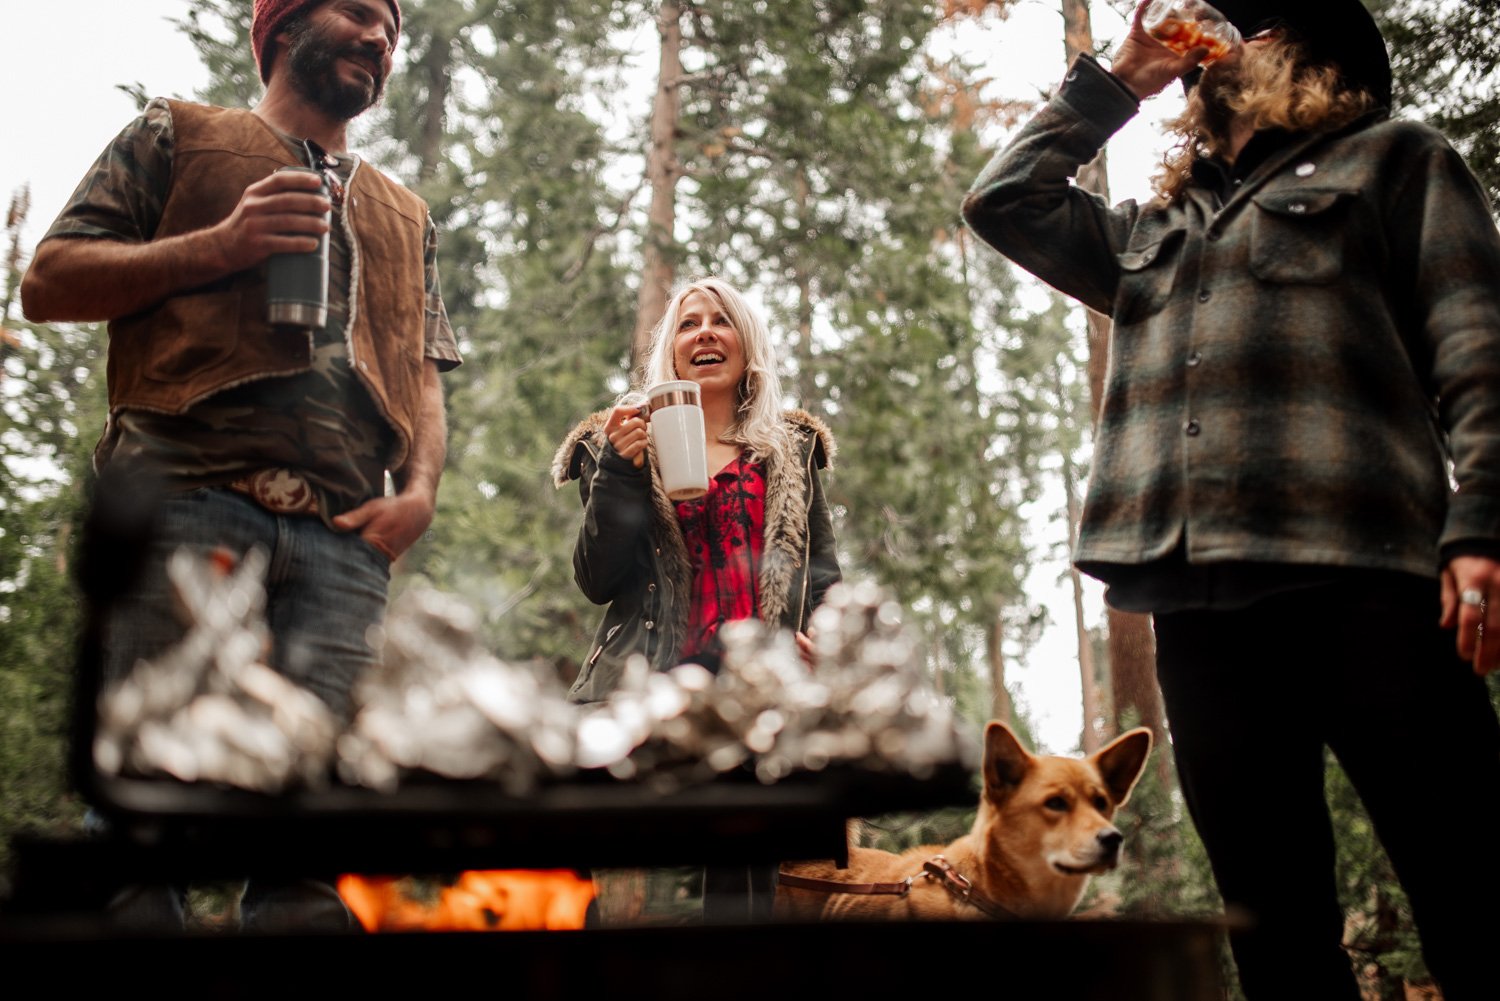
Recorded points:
(1445, 58)
(220, 31)
(53, 405)
(541, 303)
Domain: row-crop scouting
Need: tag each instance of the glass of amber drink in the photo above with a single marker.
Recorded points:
(1185, 25)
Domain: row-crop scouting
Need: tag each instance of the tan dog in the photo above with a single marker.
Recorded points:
(1042, 829)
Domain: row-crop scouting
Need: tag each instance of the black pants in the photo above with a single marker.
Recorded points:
(1254, 695)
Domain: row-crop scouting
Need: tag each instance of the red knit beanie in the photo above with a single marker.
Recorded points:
(268, 18)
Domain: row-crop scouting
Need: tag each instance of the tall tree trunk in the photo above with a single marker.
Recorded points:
(938, 660)
(658, 268)
(20, 205)
(1000, 704)
(436, 72)
(1087, 671)
(803, 350)
(15, 218)
(1132, 670)
(1132, 647)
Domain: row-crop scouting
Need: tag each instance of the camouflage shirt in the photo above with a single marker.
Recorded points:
(321, 423)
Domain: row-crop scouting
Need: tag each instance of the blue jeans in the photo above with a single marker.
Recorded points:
(324, 592)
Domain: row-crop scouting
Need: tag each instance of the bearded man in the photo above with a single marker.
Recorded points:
(270, 435)
(1306, 345)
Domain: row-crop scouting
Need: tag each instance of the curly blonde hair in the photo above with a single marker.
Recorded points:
(1275, 86)
(758, 426)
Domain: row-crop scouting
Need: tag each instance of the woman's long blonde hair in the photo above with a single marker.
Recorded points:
(758, 425)
(1278, 87)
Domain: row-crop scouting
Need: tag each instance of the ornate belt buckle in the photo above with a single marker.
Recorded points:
(280, 491)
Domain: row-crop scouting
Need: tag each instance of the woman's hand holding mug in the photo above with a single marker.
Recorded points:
(626, 430)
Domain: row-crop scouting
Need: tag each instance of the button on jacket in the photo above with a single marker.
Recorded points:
(1291, 370)
(631, 555)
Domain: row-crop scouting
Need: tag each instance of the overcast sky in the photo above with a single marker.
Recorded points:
(61, 62)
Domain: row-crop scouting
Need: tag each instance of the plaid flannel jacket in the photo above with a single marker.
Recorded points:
(1290, 372)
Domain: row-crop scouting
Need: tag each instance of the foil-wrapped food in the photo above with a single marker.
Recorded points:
(209, 709)
(437, 703)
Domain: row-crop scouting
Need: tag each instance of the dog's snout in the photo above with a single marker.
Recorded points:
(1109, 842)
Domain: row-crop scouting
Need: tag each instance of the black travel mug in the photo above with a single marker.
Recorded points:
(297, 293)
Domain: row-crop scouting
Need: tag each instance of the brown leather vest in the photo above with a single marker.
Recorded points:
(206, 339)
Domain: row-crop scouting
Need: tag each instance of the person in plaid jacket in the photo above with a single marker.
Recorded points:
(1297, 464)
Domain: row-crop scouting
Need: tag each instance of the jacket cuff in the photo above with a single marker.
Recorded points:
(615, 463)
(1488, 548)
(1097, 96)
(1473, 525)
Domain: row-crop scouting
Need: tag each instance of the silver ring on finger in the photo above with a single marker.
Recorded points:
(1472, 596)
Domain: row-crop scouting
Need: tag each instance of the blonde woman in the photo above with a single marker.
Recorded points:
(759, 544)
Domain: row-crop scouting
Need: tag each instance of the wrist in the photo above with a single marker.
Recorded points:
(212, 248)
(1135, 77)
(418, 486)
(427, 495)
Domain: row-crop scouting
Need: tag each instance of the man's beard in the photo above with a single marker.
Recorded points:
(312, 61)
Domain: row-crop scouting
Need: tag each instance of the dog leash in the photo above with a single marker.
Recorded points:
(958, 886)
(936, 868)
(900, 889)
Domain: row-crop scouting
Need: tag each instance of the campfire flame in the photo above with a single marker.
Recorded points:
(479, 900)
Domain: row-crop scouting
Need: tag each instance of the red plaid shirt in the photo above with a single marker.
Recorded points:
(725, 533)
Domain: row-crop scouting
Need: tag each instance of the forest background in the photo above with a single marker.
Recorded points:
(815, 153)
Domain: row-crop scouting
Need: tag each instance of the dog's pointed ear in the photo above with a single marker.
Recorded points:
(1005, 760)
(1121, 762)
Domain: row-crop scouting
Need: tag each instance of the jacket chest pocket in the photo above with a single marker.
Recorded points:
(1147, 275)
(1297, 237)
